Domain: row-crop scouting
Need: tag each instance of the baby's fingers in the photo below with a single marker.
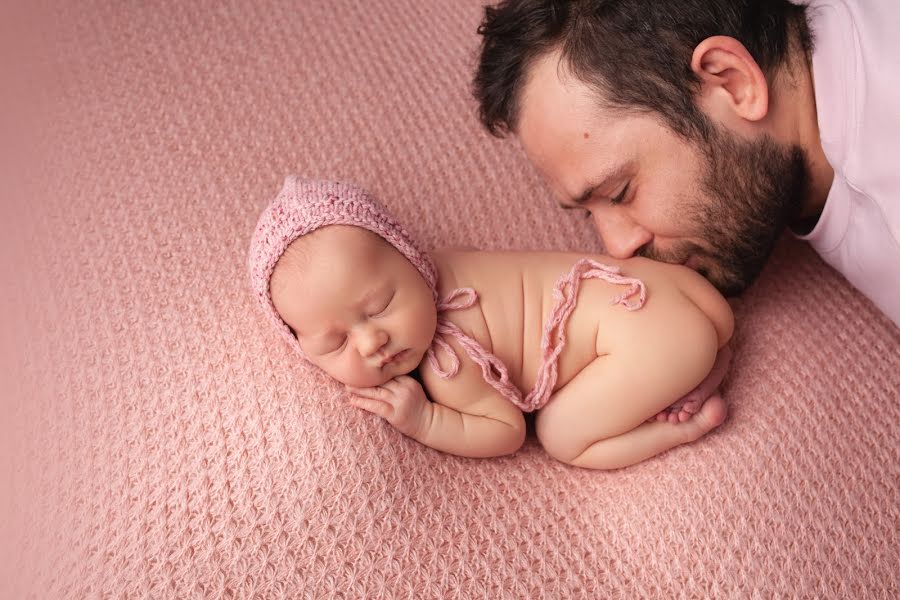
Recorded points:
(375, 393)
(376, 407)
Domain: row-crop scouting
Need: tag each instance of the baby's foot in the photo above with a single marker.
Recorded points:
(682, 410)
(711, 414)
(689, 404)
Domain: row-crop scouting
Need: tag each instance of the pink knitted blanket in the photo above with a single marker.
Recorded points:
(156, 443)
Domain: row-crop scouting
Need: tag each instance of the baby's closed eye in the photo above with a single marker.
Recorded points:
(381, 307)
(329, 345)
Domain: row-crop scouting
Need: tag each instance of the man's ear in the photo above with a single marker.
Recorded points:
(730, 79)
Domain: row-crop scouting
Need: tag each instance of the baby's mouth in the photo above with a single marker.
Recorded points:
(393, 358)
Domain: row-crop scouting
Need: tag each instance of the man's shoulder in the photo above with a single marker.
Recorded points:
(857, 90)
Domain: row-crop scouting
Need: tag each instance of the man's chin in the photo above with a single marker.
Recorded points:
(726, 281)
(694, 262)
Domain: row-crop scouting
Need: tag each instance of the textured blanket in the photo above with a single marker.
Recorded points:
(159, 441)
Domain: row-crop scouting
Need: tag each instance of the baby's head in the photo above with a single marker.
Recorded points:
(343, 282)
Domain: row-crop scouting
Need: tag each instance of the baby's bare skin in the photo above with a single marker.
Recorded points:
(677, 335)
(373, 319)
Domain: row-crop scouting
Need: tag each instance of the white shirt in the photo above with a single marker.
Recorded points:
(856, 69)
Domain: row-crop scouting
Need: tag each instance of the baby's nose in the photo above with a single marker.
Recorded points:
(371, 341)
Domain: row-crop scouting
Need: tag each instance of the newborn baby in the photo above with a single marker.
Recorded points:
(597, 346)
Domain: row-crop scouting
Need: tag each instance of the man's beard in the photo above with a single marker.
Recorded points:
(753, 189)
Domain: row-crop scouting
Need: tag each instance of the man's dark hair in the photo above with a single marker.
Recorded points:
(635, 53)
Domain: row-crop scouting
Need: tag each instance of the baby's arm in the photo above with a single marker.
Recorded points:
(467, 418)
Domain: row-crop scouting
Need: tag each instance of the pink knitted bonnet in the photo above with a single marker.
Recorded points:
(303, 206)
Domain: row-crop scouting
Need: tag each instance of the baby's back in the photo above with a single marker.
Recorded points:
(682, 311)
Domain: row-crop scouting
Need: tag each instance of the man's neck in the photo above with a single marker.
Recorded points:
(795, 87)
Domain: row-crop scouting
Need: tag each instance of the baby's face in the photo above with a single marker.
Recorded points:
(360, 310)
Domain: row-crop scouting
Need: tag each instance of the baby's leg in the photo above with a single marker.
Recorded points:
(615, 395)
(691, 403)
(719, 312)
(650, 439)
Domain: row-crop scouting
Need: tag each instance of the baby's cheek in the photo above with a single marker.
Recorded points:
(333, 369)
(426, 321)
(354, 373)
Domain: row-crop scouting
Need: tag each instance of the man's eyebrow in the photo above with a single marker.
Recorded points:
(582, 198)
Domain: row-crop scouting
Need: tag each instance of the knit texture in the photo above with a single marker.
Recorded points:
(156, 443)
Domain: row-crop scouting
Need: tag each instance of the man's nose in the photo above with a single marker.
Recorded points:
(621, 235)
(369, 340)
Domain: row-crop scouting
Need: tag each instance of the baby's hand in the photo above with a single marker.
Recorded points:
(401, 402)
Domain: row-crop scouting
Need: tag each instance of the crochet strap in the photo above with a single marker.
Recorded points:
(553, 340)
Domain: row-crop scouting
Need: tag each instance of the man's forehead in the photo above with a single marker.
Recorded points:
(556, 107)
(551, 94)
(568, 137)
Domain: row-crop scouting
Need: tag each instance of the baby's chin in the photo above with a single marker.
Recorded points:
(365, 382)
(369, 380)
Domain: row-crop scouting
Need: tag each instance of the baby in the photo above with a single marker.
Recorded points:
(492, 334)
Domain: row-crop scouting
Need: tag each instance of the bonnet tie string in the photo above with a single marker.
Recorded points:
(553, 339)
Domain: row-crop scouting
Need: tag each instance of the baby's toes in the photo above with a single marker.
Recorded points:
(692, 407)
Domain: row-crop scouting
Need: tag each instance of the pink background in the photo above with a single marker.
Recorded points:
(159, 441)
